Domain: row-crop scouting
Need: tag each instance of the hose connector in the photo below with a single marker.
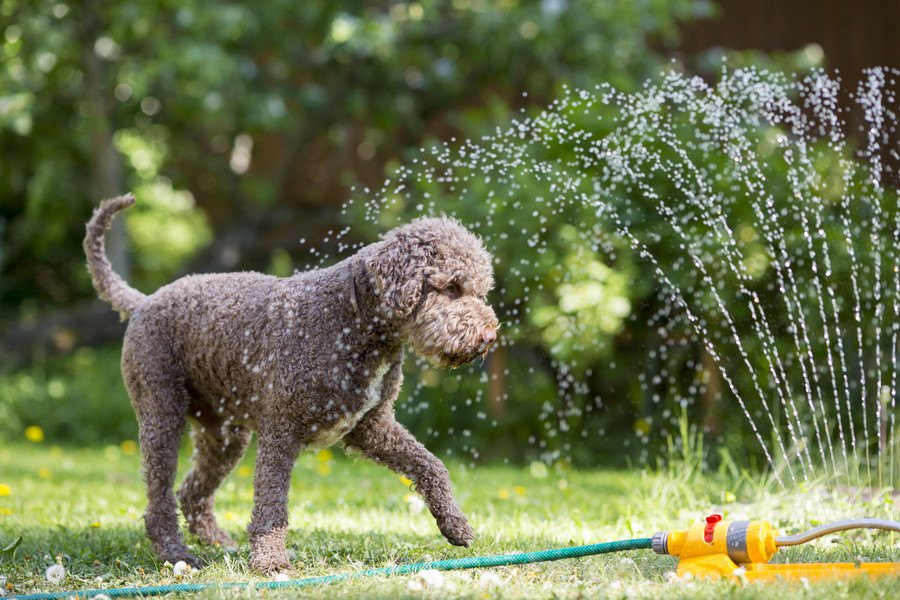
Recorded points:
(659, 541)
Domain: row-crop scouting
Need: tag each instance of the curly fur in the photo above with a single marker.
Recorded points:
(305, 361)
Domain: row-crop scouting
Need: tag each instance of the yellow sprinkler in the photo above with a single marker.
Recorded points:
(742, 549)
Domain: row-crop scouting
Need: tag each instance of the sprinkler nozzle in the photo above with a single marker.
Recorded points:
(719, 548)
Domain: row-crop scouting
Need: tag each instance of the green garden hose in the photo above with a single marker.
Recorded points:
(473, 562)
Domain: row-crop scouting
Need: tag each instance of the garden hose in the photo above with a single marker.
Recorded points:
(822, 530)
(713, 548)
(452, 564)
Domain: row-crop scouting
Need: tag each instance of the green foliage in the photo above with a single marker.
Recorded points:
(220, 102)
(164, 228)
(587, 311)
(226, 117)
(206, 106)
(79, 398)
(584, 301)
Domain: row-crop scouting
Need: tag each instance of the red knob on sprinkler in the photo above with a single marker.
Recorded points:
(711, 521)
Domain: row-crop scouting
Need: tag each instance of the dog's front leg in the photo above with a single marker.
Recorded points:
(382, 439)
(279, 446)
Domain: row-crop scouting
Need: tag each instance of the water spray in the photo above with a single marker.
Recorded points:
(712, 549)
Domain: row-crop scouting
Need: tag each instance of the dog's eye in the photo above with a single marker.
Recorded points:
(453, 290)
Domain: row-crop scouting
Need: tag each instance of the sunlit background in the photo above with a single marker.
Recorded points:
(242, 128)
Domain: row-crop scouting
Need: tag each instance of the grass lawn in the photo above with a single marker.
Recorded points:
(82, 508)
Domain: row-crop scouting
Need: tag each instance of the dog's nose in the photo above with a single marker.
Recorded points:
(488, 336)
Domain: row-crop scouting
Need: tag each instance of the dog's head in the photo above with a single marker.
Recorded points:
(433, 277)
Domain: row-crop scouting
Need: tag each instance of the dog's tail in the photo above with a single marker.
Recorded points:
(108, 284)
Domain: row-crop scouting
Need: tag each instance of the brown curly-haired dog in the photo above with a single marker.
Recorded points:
(306, 361)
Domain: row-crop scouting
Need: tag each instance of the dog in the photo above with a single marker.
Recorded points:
(306, 361)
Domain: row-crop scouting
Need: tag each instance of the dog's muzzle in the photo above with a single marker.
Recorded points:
(488, 337)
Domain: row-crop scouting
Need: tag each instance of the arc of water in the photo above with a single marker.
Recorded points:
(711, 287)
(643, 251)
(818, 85)
(799, 128)
(618, 172)
(870, 98)
(728, 126)
(774, 235)
(677, 297)
(664, 211)
(892, 426)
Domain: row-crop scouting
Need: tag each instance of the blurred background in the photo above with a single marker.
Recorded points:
(242, 128)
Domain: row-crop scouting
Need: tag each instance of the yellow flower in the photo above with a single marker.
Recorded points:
(244, 471)
(405, 481)
(324, 469)
(5, 511)
(5, 490)
(519, 490)
(503, 494)
(34, 434)
(230, 516)
(128, 447)
(323, 456)
(44, 473)
(95, 524)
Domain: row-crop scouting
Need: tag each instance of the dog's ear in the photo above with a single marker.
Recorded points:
(400, 267)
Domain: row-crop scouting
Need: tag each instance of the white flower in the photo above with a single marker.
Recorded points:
(431, 579)
(489, 579)
(282, 577)
(415, 504)
(55, 574)
(415, 585)
(182, 569)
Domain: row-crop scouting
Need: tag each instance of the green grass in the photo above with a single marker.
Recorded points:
(82, 508)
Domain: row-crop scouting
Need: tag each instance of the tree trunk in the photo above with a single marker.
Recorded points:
(712, 397)
(497, 385)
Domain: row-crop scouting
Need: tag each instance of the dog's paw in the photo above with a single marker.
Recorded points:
(216, 537)
(457, 530)
(269, 563)
(268, 553)
(186, 557)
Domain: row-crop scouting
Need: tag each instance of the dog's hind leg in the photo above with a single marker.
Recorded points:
(160, 404)
(217, 449)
